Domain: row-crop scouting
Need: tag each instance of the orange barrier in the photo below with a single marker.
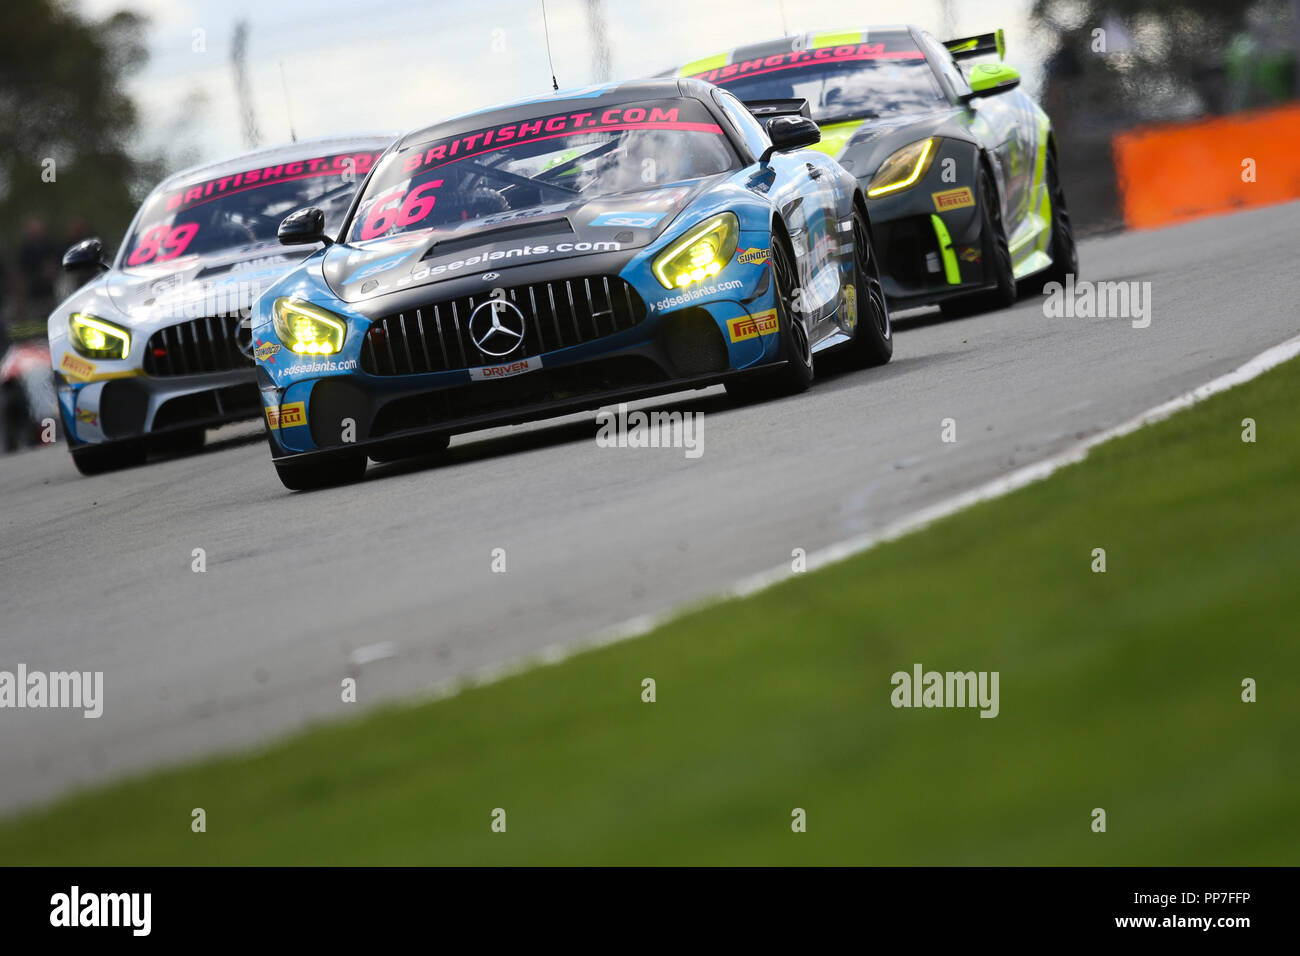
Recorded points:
(1179, 171)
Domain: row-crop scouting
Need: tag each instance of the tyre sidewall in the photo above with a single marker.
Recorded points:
(798, 371)
(995, 241)
(871, 344)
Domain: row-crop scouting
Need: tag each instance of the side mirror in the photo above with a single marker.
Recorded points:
(790, 132)
(85, 256)
(989, 79)
(302, 227)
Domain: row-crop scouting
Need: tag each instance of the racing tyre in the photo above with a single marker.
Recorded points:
(1065, 254)
(797, 373)
(309, 475)
(873, 340)
(98, 459)
(997, 252)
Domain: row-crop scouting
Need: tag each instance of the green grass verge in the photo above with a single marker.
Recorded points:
(1119, 690)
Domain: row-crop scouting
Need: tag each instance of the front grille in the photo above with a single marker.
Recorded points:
(436, 338)
(219, 404)
(195, 347)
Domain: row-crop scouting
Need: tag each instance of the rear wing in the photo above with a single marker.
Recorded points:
(982, 45)
(767, 109)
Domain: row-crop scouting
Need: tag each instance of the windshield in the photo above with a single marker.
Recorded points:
(839, 83)
(242, 208)
(556, 159)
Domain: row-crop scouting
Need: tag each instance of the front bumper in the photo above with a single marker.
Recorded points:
(134, 407)
(533, 410)
(674, 351)
(930, 236)
(599, 328)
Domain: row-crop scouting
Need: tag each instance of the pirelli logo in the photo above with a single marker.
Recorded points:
(286, 416)
(76, 368)
(953, 199)
(752, 326)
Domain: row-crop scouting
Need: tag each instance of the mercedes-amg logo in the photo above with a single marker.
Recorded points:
(497, 327)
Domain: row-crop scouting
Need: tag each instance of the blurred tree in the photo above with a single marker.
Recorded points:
(1118, 63)
(1161, 59)
(66, 123)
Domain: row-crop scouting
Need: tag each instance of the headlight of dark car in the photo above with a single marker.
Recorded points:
(904, 168)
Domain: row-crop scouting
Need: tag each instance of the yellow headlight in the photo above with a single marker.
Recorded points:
(307, 329)
(903, 168)
(699, 254)
(95, 338)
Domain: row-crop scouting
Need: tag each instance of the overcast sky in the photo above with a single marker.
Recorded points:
(352, 65)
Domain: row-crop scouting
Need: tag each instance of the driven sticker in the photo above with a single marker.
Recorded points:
(489, 372)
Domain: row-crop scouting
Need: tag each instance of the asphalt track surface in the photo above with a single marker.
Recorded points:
(391, 580)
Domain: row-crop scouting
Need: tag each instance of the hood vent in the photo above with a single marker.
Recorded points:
(530, 229)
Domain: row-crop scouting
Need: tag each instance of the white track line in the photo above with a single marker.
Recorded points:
(1027, 475)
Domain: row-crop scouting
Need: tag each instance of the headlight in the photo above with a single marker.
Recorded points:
(306, 329)
(700, 253)
(95, 338)
(903, 168)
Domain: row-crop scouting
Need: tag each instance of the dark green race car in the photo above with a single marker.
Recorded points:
(958, 165)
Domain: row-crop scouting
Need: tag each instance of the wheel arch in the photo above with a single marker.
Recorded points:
(987, 165)
(860, 205)
(779, 229)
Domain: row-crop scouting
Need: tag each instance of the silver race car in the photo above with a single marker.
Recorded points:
(149, 351)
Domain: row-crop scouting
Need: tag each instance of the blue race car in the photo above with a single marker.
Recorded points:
(559, 254)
